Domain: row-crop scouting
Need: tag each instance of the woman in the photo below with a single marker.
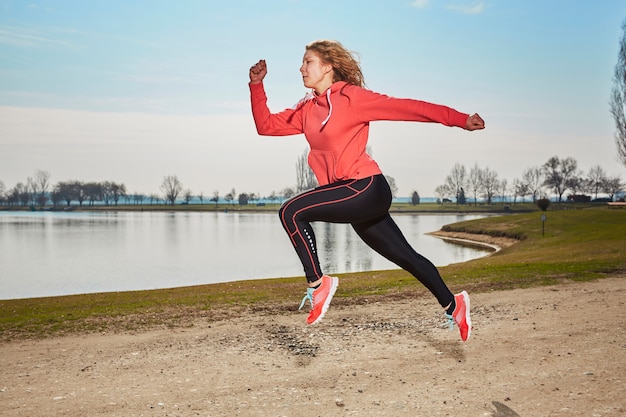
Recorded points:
(335, 119)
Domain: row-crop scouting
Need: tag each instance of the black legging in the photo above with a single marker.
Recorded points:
(365, 205)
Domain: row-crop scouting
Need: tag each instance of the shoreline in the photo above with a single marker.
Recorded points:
(396, 208)
(496, 244)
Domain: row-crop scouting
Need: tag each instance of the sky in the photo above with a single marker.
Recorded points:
(133, 91)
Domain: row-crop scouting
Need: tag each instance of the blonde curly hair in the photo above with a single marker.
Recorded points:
(345, 63)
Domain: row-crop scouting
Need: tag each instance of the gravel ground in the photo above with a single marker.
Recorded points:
(551, 351)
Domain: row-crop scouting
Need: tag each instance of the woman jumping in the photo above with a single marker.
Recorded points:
(335, 120)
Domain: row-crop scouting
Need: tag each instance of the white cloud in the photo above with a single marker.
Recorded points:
(468, 8)
(37, 7)
(22, 37)
(420, 4)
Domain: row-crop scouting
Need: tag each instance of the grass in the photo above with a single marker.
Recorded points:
(575, 245)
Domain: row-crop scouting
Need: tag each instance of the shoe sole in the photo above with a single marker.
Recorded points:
(333, 287)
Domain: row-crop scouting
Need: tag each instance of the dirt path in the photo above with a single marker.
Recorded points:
(555, 351)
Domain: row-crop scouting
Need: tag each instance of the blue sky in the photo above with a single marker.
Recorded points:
(132, 91)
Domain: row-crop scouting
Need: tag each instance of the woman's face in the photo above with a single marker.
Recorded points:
(315, 74)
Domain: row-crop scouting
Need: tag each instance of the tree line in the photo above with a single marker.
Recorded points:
(554, 178)
(38, 191)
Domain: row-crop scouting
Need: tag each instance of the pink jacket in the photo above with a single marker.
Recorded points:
(336, 125)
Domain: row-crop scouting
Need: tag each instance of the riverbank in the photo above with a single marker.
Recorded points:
(495, 243)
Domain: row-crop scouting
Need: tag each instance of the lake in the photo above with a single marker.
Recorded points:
(61, 253)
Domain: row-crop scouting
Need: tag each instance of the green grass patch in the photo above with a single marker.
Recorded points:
(574, 245)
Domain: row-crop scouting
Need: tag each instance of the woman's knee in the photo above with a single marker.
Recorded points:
(281, 212)
(287, 213)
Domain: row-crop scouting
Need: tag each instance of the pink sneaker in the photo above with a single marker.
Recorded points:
(461, 315)
(320, 298)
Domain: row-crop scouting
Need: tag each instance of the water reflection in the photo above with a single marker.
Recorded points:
(44, 254)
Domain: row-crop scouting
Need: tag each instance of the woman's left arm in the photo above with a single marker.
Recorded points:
(373, 106)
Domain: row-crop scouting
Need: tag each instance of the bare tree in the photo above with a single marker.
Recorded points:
(41, 183)
(533, 178)
(612, 186)
(187, 196)
(154, 198)
(442, 192)
(475, 182)
(93, 191)
(2, 191)
(520, 189)
(595, 179)
(392, 185)
(138, 198)
(560, 175)
(171, 188)
(55, 198)
(67, 191)
(117, 191)
(19, 194)
(31, 190)
(82, 192)
(618, 98)
(288, 192)
(305, 178)
(456, 179)
(490, 184)
(216, 197)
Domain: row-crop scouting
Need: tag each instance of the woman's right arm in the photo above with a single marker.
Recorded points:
(257, 72)
(287, 122)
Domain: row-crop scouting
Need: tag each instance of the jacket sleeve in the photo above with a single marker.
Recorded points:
(372, 106)
(287, 122)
